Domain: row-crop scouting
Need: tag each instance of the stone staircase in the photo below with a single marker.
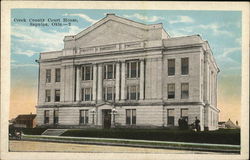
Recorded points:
(54, 132)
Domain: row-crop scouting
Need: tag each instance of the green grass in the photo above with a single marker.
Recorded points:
(214, 137)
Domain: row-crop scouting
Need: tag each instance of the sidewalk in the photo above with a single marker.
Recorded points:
(137, 143)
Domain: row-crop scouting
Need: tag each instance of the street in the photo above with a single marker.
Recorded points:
(34, 146)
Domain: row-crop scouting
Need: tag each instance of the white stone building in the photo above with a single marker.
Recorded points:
(118, 72)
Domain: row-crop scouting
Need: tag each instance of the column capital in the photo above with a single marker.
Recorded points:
(142, 59)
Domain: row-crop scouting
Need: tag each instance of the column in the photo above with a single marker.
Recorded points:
(94, 82)
(117, 82)
(123, 81)
(99, 90)
(141, 79)
(78, 83)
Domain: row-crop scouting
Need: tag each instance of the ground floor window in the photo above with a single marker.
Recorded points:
(184, 114)
(46, 116)
(84, 116)
(130, 116)
(56, 116)
(170, 116)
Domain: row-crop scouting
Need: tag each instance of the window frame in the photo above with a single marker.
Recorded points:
(84, 72)
(56, 118)
(48, 76)
(137, 92)
(58, 75)
(57, 96)
(186, 117)
(105, 93)
(84, 90)
(183, 91)
(169, 67)
(46, 118)
(183, 66)
(171, 91)
(84, 119)
(47, 97)
(137, 69)
(130, 116)
(106, 71)
(169, 118)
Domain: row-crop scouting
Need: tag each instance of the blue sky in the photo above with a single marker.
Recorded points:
(222, 29)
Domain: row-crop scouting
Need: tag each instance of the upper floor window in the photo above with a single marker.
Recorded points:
(87, 94)
(171, 91)
(47, 95)
(57, 95)
(48, 75)
(87, 72)
(58, 75)
(130, 116)
(133, 93)
(184, 90)
(133, 69)
(171, 67)
(109, 71)
(84, 116)
(184, 66)
(109, 93)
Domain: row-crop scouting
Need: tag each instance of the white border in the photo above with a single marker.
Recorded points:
(5, 73)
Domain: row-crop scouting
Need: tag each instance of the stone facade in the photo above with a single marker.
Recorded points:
(122, 73)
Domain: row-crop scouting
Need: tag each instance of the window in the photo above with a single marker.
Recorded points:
(87, 72)
(84, 116)
(58, 75)
(171, 91)
(171, 67)
(56, 116)
(46, 116)
(184, 113)
(48, 75)
(133, 69)
(109, 71)
(47, 95)
(184, 66)
(57, 95)
(170, 113)
(87, 94)
(130, 116)
(184, 90)
(133, 93)
(109, 93)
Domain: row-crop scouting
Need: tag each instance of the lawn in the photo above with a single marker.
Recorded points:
(222, 136)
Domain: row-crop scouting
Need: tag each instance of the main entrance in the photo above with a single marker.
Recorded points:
(106, 118)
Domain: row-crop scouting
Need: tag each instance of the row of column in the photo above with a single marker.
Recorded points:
(120, 81)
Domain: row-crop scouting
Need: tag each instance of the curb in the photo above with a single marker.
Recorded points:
(79, 140)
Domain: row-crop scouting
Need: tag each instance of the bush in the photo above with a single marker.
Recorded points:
(216, 137)
(33, 131)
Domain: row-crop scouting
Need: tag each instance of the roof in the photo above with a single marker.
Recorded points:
(26, 117)
(113, 17)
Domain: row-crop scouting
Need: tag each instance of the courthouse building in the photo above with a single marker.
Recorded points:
(121, 73)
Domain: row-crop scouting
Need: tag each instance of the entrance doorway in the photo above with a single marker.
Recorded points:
(106, 118)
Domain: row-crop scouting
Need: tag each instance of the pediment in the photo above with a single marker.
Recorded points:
(111, 32)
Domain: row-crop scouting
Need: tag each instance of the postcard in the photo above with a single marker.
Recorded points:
(124, 80)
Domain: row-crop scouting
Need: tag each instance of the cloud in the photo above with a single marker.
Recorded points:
(23, 65)
(215, 28)
(182, 19)
(38, 39)
(83, 16)
(144, 18)
(228, 51)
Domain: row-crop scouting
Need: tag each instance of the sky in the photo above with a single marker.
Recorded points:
(222, 29)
